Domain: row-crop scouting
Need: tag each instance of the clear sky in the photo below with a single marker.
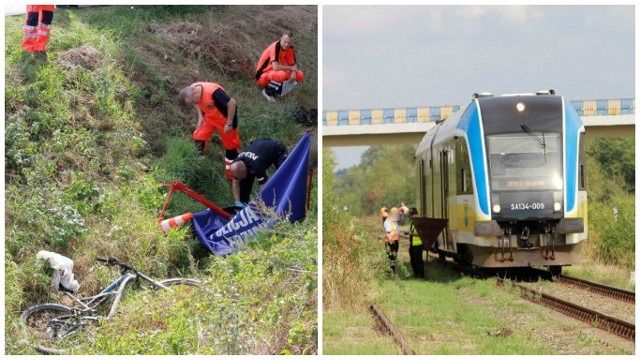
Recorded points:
(397, 56)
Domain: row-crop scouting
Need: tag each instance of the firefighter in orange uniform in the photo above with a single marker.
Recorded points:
(216, 111)
(37, 27)
(277, 71)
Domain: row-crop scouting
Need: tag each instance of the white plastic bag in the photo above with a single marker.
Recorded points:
(62, 270)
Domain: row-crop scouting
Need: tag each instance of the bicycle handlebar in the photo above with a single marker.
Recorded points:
(113, 261)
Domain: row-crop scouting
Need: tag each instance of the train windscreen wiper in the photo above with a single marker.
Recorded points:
(540, 141)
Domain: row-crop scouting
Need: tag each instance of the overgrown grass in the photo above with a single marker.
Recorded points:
(350, 266)
(89, 132)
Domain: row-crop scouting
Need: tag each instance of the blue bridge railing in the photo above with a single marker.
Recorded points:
(435, 113)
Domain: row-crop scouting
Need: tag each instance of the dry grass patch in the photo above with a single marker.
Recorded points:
(85, 56)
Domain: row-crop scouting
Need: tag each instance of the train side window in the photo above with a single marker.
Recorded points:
(582, 181)
(463, 181)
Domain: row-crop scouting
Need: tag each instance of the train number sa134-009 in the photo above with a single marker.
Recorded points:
(528, 206)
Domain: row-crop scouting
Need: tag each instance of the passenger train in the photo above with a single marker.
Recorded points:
(506, 177)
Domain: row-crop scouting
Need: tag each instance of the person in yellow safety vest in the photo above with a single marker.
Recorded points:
(392, 235)
(383, 214)
(415, 247)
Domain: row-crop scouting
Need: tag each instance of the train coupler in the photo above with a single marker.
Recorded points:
(525, 238)
(506, 241)
(550, 248)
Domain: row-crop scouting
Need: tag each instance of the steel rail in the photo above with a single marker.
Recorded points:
(616, 326)
(388, 326)
(601, 289)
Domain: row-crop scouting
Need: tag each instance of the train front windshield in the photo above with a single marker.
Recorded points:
(525, 161)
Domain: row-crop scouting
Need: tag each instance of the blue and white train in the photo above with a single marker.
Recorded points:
(507, 176)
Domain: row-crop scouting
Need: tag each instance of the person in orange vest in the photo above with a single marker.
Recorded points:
(216, 111)
(384, 214)
(392, 236)
(277, 71)
(37, 27)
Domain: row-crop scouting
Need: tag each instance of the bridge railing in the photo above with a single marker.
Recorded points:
(434, 113)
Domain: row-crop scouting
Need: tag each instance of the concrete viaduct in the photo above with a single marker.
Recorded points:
(602, 118)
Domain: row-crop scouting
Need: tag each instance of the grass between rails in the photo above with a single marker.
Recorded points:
(90, 130)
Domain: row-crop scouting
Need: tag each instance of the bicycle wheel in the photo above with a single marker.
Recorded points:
(49, 327)
(180, 281)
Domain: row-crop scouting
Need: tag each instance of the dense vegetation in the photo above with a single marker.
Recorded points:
(90, 130)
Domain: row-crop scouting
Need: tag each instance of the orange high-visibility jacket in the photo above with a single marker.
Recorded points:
(206, 104)
(274, 53)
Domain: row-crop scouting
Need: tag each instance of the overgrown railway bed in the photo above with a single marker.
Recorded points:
(588, 315)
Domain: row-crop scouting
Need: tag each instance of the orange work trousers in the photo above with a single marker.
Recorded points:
(230, 141)
(279, 76)
(37, 27)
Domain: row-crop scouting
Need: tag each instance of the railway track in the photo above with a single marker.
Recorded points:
(389, 328)
(600, 320)
(600, 289)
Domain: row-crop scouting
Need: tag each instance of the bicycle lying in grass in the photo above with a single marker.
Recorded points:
(50, 326)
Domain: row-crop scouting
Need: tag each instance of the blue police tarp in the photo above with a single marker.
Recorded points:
(284, 195)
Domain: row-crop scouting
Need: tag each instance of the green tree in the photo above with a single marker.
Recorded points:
(385, 176)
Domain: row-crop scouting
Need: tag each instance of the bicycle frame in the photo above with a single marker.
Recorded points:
(116, 288)
(89, 303)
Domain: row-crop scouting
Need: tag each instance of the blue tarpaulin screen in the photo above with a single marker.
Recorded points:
(284, 194)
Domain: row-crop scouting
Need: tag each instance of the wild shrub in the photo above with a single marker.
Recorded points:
(349, 264)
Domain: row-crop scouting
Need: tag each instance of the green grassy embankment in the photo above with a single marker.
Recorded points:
(92, 127)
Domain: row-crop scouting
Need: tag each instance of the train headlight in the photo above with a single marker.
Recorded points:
(557, 182)
(520, 107)
(557, 206)
(496, 208)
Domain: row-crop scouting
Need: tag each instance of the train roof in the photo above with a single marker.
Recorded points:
(449, 126)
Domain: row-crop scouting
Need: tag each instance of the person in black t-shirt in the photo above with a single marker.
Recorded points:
(252, 164)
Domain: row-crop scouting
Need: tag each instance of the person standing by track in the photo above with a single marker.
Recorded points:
(384, 214)
(415, 247)
(392, 237)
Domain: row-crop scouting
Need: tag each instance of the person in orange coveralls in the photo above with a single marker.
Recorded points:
(216, 111)
(277, 71)
(37, 27)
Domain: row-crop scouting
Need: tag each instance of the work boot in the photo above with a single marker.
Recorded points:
(40, 55)
(266, 96)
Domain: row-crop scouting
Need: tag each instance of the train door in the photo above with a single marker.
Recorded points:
(444, 191)
(422, 191)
